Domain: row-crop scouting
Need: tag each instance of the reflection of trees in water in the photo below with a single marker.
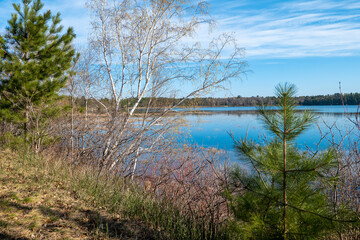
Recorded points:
(255, 112)
(204, 124)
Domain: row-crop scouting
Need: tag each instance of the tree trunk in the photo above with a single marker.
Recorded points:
(26, 123)
(72, 121)
(86, 120)
(284, 172)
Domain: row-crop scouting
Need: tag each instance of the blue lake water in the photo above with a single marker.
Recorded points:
(318, 109)
(210, 127)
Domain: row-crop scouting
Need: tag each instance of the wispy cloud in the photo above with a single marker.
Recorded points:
(296, 29)
(275, 29)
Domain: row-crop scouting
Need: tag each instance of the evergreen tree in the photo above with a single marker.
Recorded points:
(34, 63)
(2, 47)
(283, 189)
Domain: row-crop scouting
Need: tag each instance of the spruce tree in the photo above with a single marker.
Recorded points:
(36, 55)
(284, 190)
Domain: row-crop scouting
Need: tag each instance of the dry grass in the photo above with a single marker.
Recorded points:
(34, 207)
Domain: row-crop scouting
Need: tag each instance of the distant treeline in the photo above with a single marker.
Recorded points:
(335, 99)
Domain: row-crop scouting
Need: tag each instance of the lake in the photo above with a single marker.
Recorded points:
(209, 127)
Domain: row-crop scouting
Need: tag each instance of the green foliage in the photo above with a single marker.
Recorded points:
(8, 140)
(283, 190)
(2, 47)
(35, 61)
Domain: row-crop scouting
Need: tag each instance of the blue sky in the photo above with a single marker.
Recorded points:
(314, 44)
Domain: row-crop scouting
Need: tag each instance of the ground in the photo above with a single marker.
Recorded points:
(31, 208)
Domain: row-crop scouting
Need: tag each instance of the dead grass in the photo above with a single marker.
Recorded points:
(32, 207)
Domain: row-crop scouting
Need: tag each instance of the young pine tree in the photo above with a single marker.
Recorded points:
(35, 58)
(283, 192)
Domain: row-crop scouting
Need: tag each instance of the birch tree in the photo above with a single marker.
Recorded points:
(147, 51)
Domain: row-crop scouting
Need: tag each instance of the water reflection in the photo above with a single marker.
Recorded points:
(211, 128)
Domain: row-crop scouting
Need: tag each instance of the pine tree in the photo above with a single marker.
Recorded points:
(2, 47)
(283, 192)
(34, 63)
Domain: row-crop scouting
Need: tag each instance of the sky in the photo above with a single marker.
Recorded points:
(314, 44)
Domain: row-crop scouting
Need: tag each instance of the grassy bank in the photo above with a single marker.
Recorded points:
(47, 198)
(39, 199)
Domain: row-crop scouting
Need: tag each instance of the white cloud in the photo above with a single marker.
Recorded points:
(288, 29)
(321, 5)
(296, 29)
